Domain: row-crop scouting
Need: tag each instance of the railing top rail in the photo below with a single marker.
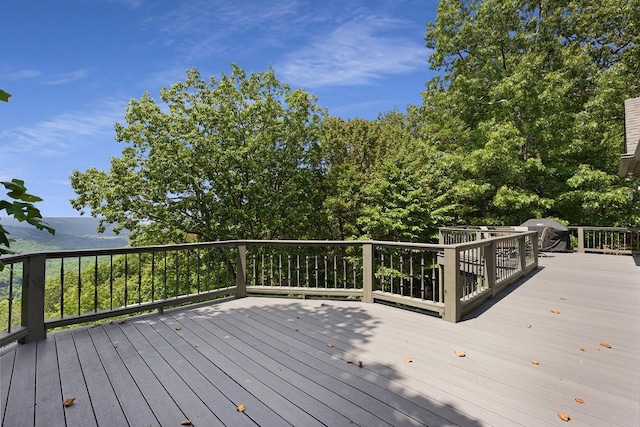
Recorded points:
(588, 227)
(478, 228)
(7, 259)
(117, 251)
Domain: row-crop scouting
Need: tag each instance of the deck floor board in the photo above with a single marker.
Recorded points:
(48, 392)
(21, 399)
(271, 355)
(73, 384)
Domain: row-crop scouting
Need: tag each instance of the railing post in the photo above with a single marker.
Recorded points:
(522, 253)
(33, 298)
(490, 267)
(368, 275)
(241, 275)
(580, 239)
(452, 285)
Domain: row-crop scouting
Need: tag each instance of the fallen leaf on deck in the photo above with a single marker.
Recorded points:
(535, 362)
(95, 325)
(563, 298)
(555, 311)
(241, 408)
(246, 315)
(350, 361)
(322, 305)
(178, 328)
(330, 345)
(68, 402)
(460, 353)
(186, 423)
(579, 400)
(407, 360)
(122, 321)
(604, 344)
(406, 340)
(564, 417)
(583, 349)
(596, 348)
(296, 329)
(546, 283)
(360, 364)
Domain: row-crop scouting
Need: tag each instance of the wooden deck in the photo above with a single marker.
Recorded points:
(296, 362)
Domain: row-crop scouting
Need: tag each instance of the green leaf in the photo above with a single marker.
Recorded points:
(4, 96)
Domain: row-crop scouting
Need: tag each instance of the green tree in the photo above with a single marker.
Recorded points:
(531, 95)
(235, 157)
(383, 181)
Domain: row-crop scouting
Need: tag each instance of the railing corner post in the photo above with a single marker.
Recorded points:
(522, 253)
(580, 239)
(241, 276)
(33, 277)
(490, 267)
(368, 275)
(452, 285)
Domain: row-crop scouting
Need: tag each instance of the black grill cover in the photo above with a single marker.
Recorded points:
(555, 236)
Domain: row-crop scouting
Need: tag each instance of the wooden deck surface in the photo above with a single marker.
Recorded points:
(296, 362)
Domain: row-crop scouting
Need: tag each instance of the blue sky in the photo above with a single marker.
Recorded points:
(71, 66)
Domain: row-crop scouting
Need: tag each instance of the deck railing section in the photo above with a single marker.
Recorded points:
(606, 240)
(409, 274)
(47, 290)
(304, 267)
(55, 289)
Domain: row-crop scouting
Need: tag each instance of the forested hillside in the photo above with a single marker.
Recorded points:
(71, 234)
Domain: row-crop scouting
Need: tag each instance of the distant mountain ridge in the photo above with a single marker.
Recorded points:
(71, 233)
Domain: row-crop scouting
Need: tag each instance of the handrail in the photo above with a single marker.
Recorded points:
(84, 286)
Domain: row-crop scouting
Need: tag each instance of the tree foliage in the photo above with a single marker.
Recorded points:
(4, 96)
(235, 157)
(532, 94)
(20, 206)
(383, 181)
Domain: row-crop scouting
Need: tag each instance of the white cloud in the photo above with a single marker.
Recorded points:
(65, 78)
(355, 53)
(54, 79)
(202, 29)
(133, 4)
(22, 74)
(60, 134)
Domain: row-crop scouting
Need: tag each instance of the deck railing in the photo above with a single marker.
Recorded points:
(606, 240)
(42, 291)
